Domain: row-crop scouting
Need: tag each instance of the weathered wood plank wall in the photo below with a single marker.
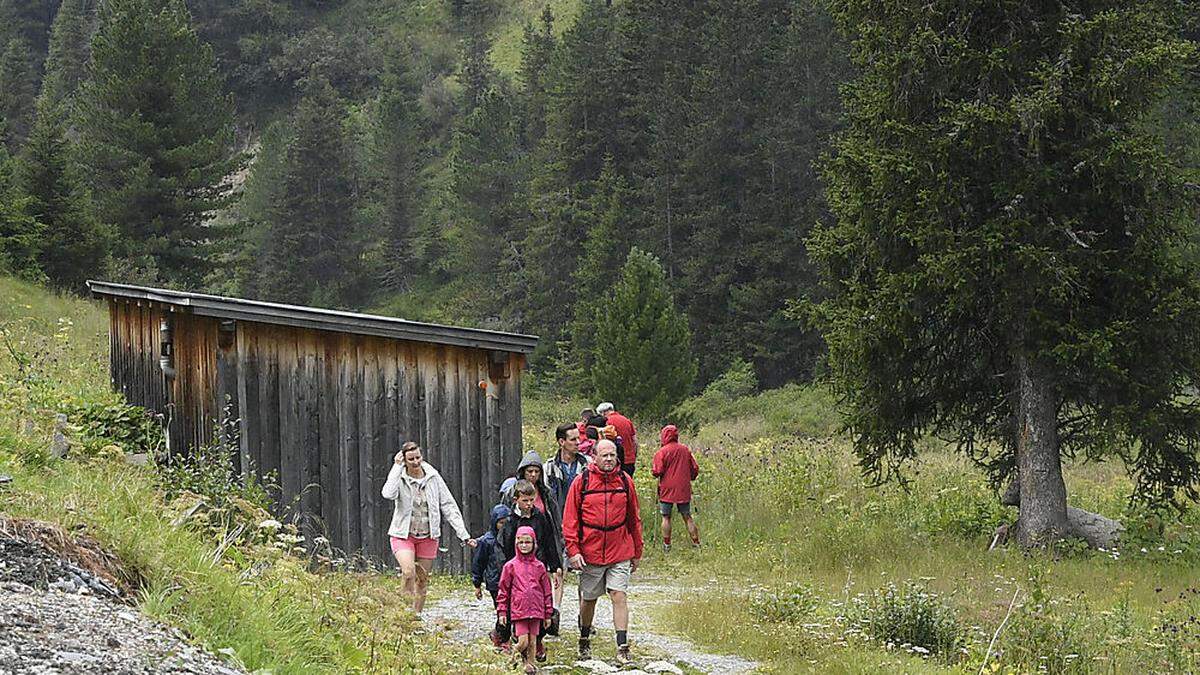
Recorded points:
(322, 414)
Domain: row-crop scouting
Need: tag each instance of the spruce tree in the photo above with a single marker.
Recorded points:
(607, 221)
(538, 45)
(20, 232)
(1007, 264)
(17, 94)
(155, 136)
(643, 354)
(74, 246)
(312, 255)
(66, 62)
(397, 151)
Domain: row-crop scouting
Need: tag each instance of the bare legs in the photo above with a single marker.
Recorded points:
(558, 587)
(525, 648)
(620, 603)
(416, 576)
(692, 528)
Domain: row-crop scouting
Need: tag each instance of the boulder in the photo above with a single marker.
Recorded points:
(1097, 530)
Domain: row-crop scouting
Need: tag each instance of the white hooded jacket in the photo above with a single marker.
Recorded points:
(441, 503)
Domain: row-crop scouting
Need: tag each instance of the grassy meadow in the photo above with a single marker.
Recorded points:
(803, 567)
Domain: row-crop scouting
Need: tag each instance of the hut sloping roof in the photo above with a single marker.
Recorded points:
(320, 319)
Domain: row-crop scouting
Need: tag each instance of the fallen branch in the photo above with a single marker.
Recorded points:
(988, 654)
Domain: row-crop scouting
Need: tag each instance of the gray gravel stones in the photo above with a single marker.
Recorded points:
(32, 564)
(48, 632)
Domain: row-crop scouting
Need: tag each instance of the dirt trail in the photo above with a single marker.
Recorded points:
(465, 619)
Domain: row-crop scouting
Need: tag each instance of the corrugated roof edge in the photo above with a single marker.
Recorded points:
(320, 319)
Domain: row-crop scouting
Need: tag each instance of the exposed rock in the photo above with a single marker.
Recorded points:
(595, 666)
(1097, 530)
(59, 447)
(663, 667)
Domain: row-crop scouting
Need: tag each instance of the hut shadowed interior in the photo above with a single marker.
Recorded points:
(323, 399)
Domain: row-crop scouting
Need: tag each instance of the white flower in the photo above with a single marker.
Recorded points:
(270, 524)
(919, 649)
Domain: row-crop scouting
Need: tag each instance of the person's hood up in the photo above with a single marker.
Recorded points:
(531, 458)
(669, 434)
(525, 529)
(499, 511)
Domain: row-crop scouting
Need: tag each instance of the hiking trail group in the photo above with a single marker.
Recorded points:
(577, 510)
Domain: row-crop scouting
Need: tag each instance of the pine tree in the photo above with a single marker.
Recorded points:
(17, 93)
(478, 73)
(20, 232)
(1006, 265)
(538, 47)
(605, 249)
(397, 153)
(66, 62)
(643, 353)
(155, 136)
(73, 245)
(28, 21)
(312, 243)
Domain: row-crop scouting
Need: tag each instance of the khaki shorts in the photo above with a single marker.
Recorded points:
(596, 580)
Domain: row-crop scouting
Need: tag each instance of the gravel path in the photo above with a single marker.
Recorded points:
(465, 619)
(48, 632)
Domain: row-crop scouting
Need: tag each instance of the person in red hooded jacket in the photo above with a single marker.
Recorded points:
(524, 598)
(675, 468)
(603, 535)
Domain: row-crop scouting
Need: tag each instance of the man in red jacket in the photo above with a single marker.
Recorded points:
(625, 432)
(603, 534)
(675, 468)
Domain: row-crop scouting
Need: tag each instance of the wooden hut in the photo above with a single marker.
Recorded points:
(322, 401)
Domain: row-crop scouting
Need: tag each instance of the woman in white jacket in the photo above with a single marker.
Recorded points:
(422, 500)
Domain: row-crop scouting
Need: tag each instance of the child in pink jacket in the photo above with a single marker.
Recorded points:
(524, 598)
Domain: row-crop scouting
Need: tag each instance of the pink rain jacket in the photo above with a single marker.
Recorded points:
(524, 591)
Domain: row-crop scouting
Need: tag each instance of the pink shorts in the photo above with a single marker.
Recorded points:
(527, 627)
(423, 547)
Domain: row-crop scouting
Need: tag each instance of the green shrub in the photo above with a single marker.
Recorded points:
(966, 510)
(1048, 639)
(793, 604)
(106, 421)
(910, 617)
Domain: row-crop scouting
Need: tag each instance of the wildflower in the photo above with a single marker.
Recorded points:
(270, 524)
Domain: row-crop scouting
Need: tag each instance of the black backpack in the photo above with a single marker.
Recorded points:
(584, 491)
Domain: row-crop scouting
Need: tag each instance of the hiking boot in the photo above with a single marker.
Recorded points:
(497, 643)
(585, 648)
(530, 669)
(506, 647)
(541, 653)
(666, 547)
(623, 656)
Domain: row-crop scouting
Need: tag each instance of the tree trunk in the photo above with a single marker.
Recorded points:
(1043, 510)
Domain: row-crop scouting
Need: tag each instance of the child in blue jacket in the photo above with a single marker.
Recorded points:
(486, 564)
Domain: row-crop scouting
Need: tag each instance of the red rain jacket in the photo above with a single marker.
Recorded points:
(524, 591)
(675, 468)
(612, 526)
(627, 433)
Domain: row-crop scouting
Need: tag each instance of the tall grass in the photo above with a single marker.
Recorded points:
(780, 502)
(267, 610)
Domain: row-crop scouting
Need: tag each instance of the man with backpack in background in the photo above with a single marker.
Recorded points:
(603, 533)
(625, 432)
(559, 472)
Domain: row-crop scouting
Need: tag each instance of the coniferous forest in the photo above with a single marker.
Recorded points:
(484, 162)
